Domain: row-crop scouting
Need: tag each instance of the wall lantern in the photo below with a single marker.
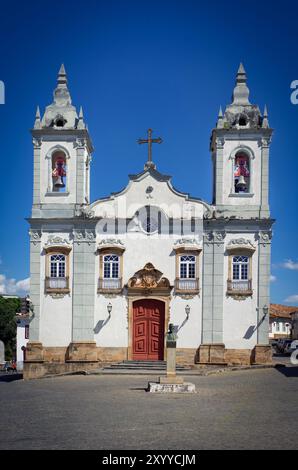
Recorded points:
(109, 308)
(187, 310)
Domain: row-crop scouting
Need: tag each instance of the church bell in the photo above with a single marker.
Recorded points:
(59, 183)
(241, 183)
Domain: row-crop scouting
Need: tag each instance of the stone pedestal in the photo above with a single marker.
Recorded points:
(171, 383)
(184, 387)
(263, 354)
(82, 351)
(34, 352)
(212, 353)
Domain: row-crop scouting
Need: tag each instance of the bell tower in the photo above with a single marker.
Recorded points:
(240, 154)
(62, 155)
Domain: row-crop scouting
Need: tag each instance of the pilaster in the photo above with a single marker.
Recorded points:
(81, 171)
(213, 287)
(35, 241)
(264, 212)
(264, 253)
(36, 169)
(84, 284)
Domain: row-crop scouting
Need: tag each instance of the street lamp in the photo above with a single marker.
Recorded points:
(109, 308)
(187, 310)
(265, 310)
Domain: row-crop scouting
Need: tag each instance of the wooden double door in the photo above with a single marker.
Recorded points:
(148, 330)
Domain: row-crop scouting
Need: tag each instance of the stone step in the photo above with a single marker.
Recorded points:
(144, 365)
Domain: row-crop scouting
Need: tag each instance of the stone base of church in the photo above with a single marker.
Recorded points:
(85, 355)
(35, 370)
(82, 351)
(217, 354)
(211, 354)
(109, 354)
(262, 354)
(34, 351)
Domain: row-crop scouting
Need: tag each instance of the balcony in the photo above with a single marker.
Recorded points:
(109, 285)
(242, 287)
(185, 286)
(57, 284)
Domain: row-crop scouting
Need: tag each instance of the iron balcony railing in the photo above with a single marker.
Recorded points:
(241, 285)
(113, 284)
(57, 283)
(187, 285)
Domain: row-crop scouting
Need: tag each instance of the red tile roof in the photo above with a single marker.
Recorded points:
(281, 311)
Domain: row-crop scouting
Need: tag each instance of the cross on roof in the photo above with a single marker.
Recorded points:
(150, 141)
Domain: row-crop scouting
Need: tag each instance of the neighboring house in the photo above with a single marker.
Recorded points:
(22, 321)
(294, 316)
(108, 277)
(280, 322)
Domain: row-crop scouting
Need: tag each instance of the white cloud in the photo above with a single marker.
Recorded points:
(290, 264)
(291, 299)
(13, 287)
(273, 278)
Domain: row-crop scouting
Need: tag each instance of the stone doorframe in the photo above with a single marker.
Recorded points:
(147, 283)
(131, 299)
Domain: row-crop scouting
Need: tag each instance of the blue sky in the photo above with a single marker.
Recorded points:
(133, 65)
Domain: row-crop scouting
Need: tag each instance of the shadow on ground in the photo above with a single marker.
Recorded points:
(10, 377)
(290, 371)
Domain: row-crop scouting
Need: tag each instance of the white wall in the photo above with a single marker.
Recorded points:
(21, 341)
(240, 316)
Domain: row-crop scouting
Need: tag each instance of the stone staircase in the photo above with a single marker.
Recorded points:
(143, 365)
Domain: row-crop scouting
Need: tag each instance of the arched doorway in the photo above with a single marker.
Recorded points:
(148, 330)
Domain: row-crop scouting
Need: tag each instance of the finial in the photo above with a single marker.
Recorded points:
(220, 119)
(81, 124)
(37, 123)
(241, 91)
(265, 122)
(62, 78)
(241, 70)
(61, 93)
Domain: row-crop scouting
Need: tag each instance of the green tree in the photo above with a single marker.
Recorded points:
(8, 326)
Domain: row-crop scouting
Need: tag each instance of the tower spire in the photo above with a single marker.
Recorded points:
(81, 124)
(61, 94)
(37, 123)
(220, 123)
(265, 122)
(241, 91)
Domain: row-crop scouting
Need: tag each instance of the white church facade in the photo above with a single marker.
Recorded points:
(107, 277)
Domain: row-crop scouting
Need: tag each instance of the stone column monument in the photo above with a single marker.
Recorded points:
(171, 383)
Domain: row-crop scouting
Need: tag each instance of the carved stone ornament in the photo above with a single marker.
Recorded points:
(57, 295)
(148, 278)
(80, 143)
(265, 141)
(35, 236)
(84, 211)
(239, 297)
(81, 235)
(57, 241)
(220, 141)
(111, 242)
(265, 237)
(240, 243)
(190, 243)
(36, 142)
(219, 236)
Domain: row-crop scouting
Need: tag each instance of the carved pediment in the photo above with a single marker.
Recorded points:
(240, 243)
(55, 241)
(186, 244)
(148, 278)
